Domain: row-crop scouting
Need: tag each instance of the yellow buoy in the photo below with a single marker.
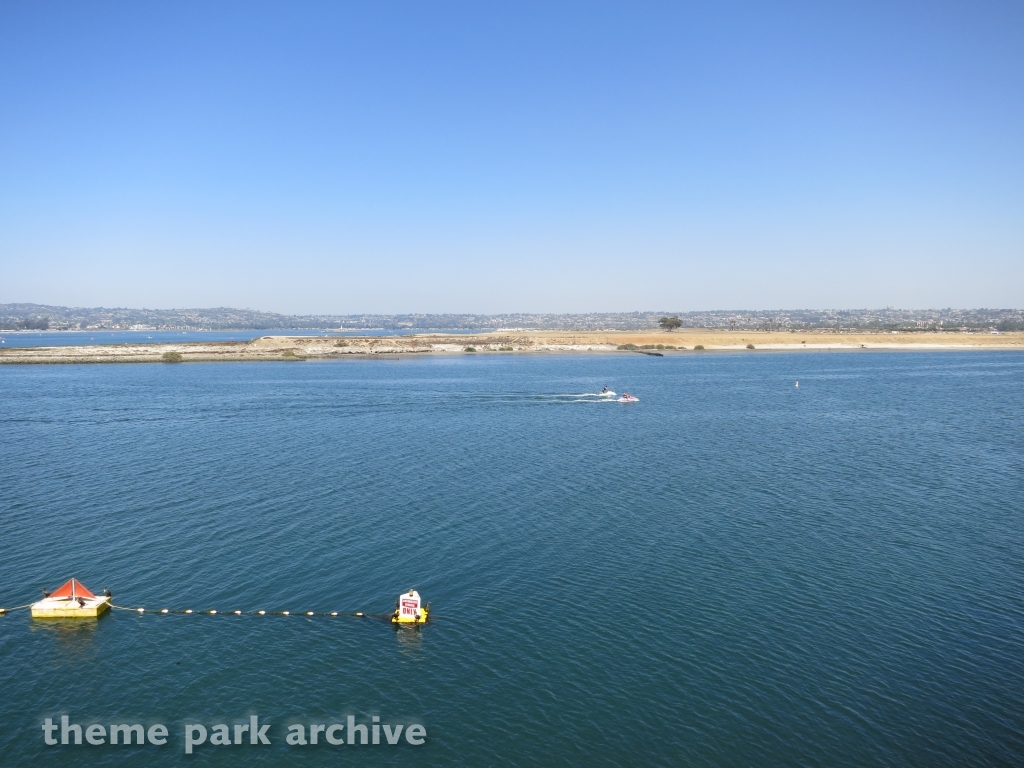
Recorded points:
(409, 609)
(71, 601)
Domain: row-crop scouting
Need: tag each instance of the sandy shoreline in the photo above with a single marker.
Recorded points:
(291, 348)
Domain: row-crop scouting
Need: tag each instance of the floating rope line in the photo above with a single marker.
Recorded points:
(214, 612)
(408, 609)
(17, 608)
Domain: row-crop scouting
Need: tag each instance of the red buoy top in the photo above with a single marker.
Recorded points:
(73, 588)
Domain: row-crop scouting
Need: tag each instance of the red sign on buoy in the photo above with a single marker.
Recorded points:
(410, 605)
(73, 589)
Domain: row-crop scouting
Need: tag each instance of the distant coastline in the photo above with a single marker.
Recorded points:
(43, 317)
(293, 348)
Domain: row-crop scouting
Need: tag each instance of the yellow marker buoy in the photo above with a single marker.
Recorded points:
(410, 610)
(72, 600)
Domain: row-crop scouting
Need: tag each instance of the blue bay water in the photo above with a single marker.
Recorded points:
(731, 572)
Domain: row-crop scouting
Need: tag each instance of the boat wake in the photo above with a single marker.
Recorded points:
(585, 397)
(539, 397)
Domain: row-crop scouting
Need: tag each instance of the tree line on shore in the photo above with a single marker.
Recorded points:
(24, 323)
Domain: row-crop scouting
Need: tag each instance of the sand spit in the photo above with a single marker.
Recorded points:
(296, 348)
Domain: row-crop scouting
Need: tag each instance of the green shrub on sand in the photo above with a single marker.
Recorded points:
(698, 347)
(171, 357)
(627, 346)
(470, 349)
(750, 346)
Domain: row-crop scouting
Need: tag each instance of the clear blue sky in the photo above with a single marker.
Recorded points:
(491, 157)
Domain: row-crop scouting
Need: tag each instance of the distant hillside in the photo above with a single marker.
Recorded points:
(41, 317)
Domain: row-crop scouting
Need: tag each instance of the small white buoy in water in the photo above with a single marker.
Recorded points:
(141, 610)
(3, 611)
(238, 613)
(261, 612)
(309, 613)
(797, 385)
(212, 612)
(358, 613)
(164, 611)
(334, 613)
(188, 610)
(285, 613)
